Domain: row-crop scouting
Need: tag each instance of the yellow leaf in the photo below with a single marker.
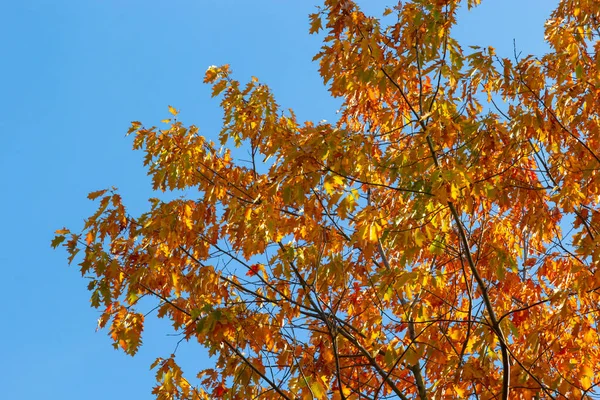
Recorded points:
(173, 111)
(460, 391)
(331, 182)
(590, 336)
(419, 237)
(328, 186)
(454, 191)
(346, 391)
(318, 389)
(187, 210)
(338, 180)
(587, 375)
(455, 334)
(374, 231)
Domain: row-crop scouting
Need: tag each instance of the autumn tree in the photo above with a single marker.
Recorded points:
(440, 240)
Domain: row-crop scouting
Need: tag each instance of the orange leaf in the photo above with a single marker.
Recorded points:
(96, 194)
(89, 238)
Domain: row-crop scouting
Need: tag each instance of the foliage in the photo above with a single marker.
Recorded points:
(440, 240)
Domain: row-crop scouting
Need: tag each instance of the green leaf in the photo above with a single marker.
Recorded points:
(95, 299)
(317, 388)
(57, 240)
(404, 278)
(287, 194)
(419, 237)
(513, 329)
(579, 71)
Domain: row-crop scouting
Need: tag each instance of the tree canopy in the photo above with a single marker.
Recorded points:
(441, 239)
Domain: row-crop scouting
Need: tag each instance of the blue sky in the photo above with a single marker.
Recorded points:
(73, 75)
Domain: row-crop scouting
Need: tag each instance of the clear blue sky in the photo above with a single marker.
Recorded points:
(73, 75)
